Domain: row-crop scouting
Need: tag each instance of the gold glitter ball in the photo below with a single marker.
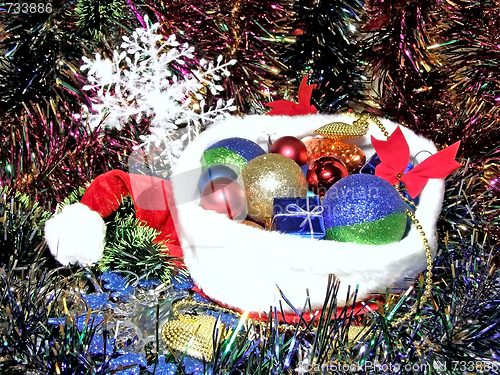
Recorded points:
(271, 176)
(340, 130)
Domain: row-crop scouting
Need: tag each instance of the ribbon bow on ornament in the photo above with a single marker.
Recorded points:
(394, 155)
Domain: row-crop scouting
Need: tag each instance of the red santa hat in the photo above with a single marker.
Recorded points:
(77, 233)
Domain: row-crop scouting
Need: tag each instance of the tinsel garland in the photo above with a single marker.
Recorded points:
(434, 68)
(455, 330)
(438, 78)
(46, 154)
(408, 84)
(252, 32)
(469, 43)
(326, 48)
(45, 150)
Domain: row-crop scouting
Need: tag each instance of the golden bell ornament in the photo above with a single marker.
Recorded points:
(349, 154)
(267, 177)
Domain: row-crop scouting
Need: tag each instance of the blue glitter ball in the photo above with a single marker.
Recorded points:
(365, 209)
(373, 163)
(215, 171)
(246, 148)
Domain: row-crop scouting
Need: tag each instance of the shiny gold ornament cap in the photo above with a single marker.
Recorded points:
(340, 130)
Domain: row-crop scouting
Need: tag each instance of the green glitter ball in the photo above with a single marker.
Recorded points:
(222, 155)
(383, 231)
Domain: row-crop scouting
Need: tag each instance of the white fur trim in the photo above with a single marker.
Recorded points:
(241, 266)
(76, 235)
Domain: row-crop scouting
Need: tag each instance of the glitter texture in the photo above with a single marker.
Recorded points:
(162, 367)
(360, 198)
(271, 176)
(244, 147)
(129, 363)
(222, 155)
(389, 229)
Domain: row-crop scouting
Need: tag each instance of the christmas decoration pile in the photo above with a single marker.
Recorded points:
(332, 219)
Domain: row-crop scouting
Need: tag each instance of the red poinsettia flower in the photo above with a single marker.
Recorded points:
(289, 108)
(394, 155)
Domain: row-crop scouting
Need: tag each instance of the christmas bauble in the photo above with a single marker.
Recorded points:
(290, 147)
(372, 164)
(323, 173)
(225, 196)
(246, 148)
(364, 209)
(222, 155)
(349, 154)
(216, 171)
(269, 176)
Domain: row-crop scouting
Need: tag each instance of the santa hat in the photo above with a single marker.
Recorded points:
(243, 267)
(77, 233)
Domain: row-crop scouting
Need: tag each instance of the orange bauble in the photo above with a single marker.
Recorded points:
(347, 153)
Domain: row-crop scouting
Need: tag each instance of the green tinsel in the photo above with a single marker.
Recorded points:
(130, 247)
(96, 17)
(326, 48)
(21, 224)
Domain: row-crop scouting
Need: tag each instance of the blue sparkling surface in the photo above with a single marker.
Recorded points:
(182, 282)
(199, 298)
(130, 359)
(360, 198)
(162, 368)
(96, 301)
(80, 321)
(117, 284)
(243, 147)
(96, 345)
(195, 367)
(230, 320)
(148, 284)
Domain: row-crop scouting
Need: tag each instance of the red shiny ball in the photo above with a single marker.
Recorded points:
(323, 173)
(290, 147)
(225, 196)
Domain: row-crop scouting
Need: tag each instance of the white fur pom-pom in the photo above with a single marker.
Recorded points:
(76, 235)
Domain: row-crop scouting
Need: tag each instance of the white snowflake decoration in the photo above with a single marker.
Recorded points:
(138, 84)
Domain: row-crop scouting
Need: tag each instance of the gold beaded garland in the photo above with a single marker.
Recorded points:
(193, 334)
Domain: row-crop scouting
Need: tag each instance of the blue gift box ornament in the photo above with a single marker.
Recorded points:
(299, 216)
